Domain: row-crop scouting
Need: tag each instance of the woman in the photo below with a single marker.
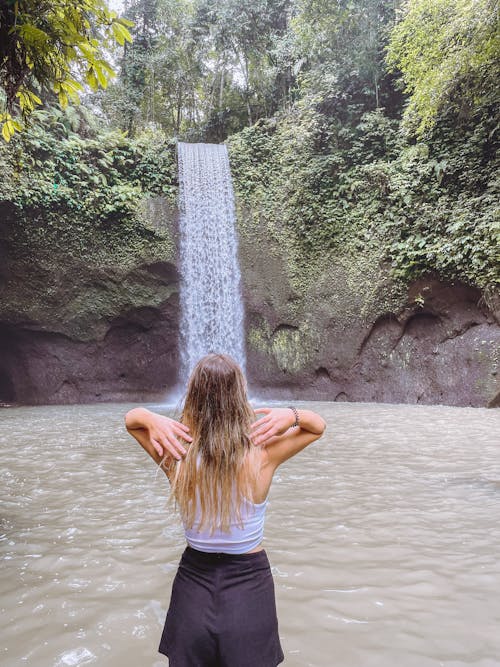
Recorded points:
(220, 462)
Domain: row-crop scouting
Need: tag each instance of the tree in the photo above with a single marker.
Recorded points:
(340, 49)
(448, 52)
(48, 46)
(161, 71)
(202, 68)
(248, 62)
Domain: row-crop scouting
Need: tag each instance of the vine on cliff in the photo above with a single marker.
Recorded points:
(80, 192)
(343, 189)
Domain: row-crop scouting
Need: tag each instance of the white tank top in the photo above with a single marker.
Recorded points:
(238, 540)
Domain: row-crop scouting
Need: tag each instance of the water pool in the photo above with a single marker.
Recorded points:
(384, 539)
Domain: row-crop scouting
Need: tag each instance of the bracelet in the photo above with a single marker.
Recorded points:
(294, 410)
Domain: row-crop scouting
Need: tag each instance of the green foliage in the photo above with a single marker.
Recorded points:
(202, 68)
(335, 179)
(248, 41)
(57, 46)
(319, 155)
(74, 188)
(449, 54)
(340, 60)
(330, 190)
(161, 72)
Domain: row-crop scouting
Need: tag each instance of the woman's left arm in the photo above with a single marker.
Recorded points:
(157, 434)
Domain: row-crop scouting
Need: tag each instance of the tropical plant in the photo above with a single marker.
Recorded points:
(53, 46)
(448, 52)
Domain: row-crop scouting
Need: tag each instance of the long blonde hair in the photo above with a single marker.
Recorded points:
(221, 465)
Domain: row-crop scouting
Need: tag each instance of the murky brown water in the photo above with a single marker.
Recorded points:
(384, 539)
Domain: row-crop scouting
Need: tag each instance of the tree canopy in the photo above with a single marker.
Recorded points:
(210, 67)
(48, 47)
(357, 126)
(449, 54)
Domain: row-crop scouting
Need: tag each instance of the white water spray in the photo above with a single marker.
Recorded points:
(210, 291)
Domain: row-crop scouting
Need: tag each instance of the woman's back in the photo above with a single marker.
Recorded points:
(242, 536)
(222, 609)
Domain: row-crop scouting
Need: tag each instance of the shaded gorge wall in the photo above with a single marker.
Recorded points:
(76, 331)
(345, 331)
(93, 324)
(89, 308)
(368, 275)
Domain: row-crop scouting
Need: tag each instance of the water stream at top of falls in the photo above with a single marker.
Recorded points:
(210, 292)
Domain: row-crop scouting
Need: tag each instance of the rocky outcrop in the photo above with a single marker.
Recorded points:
(99, 326)
(132, 356)
(442, 347)
(351, 334)
(72, 330)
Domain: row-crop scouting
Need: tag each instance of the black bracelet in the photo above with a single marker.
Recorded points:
(294, 410)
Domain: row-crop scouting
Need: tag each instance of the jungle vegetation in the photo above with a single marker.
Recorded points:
(350, 124)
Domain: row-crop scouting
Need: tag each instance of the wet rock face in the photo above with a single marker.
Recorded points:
(137, 358)
(335, 326)
(131, 353)
(440, 347)
(73, 332)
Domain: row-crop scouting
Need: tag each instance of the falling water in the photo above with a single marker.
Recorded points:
(211, 304)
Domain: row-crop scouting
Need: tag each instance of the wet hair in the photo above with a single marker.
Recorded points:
(221, 464)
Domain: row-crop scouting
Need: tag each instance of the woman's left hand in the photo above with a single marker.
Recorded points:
(276, 422)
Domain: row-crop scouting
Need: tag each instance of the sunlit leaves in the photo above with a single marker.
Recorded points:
(9, 126)
(448, 52)
(54, 46)
(121, 33)
(27, 99)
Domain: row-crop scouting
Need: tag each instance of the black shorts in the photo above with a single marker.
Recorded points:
(222, 612)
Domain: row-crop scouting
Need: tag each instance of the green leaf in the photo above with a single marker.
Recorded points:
(101, 77)
(91, 79)
(120, 33)
(63, 99)
(126, 22)
(5, 132)
(34, 97)
(71, 85)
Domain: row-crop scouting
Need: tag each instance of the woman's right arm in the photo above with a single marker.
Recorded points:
(159, 433)
(281, 442)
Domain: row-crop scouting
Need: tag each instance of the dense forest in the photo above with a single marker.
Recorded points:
(351, 123)
(362, 134)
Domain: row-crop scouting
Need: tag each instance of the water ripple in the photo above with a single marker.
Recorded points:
(383, 539)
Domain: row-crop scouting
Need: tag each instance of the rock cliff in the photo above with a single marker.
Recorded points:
(75, 330)
(349, 333)
(96, 325)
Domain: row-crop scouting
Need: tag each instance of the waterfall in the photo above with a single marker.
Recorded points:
(210, 291)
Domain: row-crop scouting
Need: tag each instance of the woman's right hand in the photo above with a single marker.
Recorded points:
(162, 431)
(275, 422)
